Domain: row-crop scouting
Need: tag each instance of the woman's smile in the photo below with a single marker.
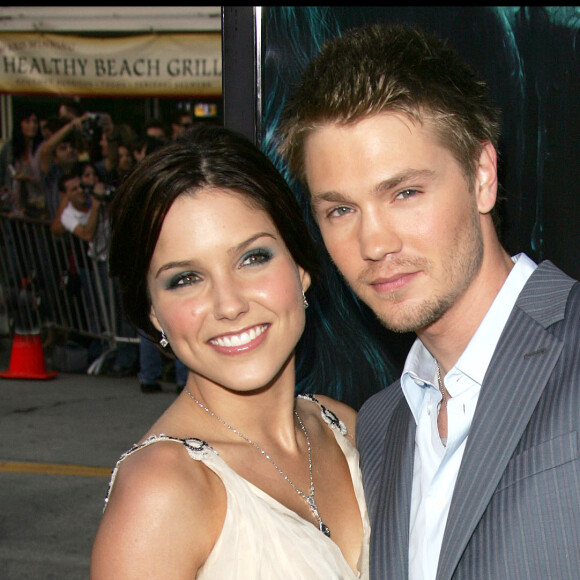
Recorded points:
(242, 342)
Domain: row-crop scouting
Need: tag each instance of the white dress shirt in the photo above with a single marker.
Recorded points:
(436, 466)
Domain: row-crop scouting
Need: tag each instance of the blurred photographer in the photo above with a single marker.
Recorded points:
(92, 184)
(57, 155)
(83, 212)
(79, 211)
(69, 109)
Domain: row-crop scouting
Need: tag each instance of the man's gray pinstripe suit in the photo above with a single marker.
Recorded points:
(515, 512)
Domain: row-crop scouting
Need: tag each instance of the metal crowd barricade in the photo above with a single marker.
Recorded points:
(48, 282)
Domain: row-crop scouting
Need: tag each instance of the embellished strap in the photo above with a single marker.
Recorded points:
(327, 415)
(197, 449)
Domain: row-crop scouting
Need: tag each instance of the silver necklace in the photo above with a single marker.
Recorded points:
(443, 398)
(441, 388)
(309, 498)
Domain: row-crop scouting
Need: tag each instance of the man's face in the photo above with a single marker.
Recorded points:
(156, 133)
(397, 217)
(107, 124)
(65, 154)
(76, 195)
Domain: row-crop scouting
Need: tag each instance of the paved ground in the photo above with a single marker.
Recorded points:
(50, 432)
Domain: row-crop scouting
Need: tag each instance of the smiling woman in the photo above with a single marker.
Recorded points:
(238, 478)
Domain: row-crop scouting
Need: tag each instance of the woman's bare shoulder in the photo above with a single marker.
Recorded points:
(163, 507)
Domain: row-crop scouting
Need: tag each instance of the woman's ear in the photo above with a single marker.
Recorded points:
(486, 179)
(154, 320)
(304, 279)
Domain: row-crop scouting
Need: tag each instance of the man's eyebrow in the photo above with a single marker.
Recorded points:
(409, 175)
(332, 196)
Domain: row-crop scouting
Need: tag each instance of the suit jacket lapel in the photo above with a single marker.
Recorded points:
(390, 541)
(519, 370)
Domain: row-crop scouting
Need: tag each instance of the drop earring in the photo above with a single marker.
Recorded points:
(163, 340)
(304, 301)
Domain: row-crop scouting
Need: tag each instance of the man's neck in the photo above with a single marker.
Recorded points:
(448, 337)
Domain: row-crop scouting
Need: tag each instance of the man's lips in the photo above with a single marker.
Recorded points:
(240, 341)
(392, 283)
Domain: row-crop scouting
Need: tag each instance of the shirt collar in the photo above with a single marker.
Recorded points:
(476, 357)
(420, 366)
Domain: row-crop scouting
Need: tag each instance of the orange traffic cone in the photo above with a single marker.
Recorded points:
(27, 359)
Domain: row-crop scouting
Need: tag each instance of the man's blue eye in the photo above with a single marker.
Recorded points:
(407, 193)
(339, 211)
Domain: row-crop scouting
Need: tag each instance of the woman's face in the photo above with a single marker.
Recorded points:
(226, 290)
(29, 126)
(125, 158)
(104, 143)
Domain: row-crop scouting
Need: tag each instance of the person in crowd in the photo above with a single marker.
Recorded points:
(144, 145)
(469, 460)
(155, 128)
(108, 166)
(20, 184)
(116, 160)
(126, 161)
(78, 210)
(89, 177)
(97, 126)
(81, 214)
(151, 137)
(238, 477)
(57, 156)
(107, 124)
(43, 126)
(83, 211)
(70, 109)
(150, 356)
(151, 367)
(180, 122)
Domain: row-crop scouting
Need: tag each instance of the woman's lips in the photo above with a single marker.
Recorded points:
(241, 341)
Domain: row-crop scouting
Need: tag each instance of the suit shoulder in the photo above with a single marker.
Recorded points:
(373, 416)
(550, 295)
(381, 401)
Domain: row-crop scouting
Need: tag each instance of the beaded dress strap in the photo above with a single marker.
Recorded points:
(327, 415)
(197, 449)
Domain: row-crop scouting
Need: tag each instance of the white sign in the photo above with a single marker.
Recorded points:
(163, 65)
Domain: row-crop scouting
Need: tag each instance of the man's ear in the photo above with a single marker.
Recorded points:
(486, 178)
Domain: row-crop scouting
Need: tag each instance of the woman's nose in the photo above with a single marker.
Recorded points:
(229, 300)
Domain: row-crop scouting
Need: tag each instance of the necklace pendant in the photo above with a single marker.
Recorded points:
(310, 500)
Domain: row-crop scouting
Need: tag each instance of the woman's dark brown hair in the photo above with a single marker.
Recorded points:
(204, 157)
